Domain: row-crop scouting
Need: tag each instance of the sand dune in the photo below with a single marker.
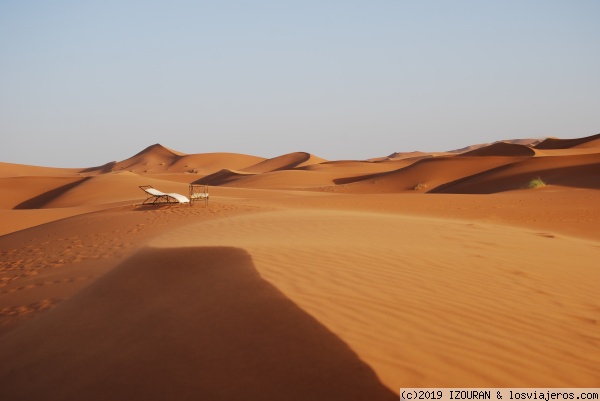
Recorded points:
(311, 176)
(223, 177)
(23, 170)
(355, 167)
(326, 176)
(58, 192)
(302, 278)
(582, 171)
(23, 192)
(154, 155)
(501, 149)
(113, 188)
(556, 143)
(157, 159)
(430, 173)
(411, 155)
(208, 163)
(523, 141)
(285, 162)
(286, 179)
(22, 219)
(483, 309)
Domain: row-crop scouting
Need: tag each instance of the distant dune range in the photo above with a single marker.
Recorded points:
(399, 172)
(303, 278)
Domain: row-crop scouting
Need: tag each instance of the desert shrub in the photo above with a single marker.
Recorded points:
(420, 186)
(536, 183)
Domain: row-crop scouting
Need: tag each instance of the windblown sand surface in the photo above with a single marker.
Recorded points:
(303, 278)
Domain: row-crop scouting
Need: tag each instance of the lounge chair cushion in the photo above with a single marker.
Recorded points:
(159, 194)
(180, 198)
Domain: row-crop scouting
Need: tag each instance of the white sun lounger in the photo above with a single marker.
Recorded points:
(154, 196)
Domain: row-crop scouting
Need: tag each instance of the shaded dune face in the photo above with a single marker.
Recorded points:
(555, 143)
(501, 149)
(23, 192)
(289, 161)
(184, 324)
(581, 171)
(222, 177)
(43, 199)
(432, 172)
(285, 162)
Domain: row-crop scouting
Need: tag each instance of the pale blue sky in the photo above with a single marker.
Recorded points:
(86, 82)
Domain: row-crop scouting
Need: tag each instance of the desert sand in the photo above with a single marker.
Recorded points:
(303, 278)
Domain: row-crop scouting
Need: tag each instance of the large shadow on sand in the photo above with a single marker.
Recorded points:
(182, 324)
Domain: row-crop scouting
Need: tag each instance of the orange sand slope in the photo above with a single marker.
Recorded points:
(428, 301)
(303, 278)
